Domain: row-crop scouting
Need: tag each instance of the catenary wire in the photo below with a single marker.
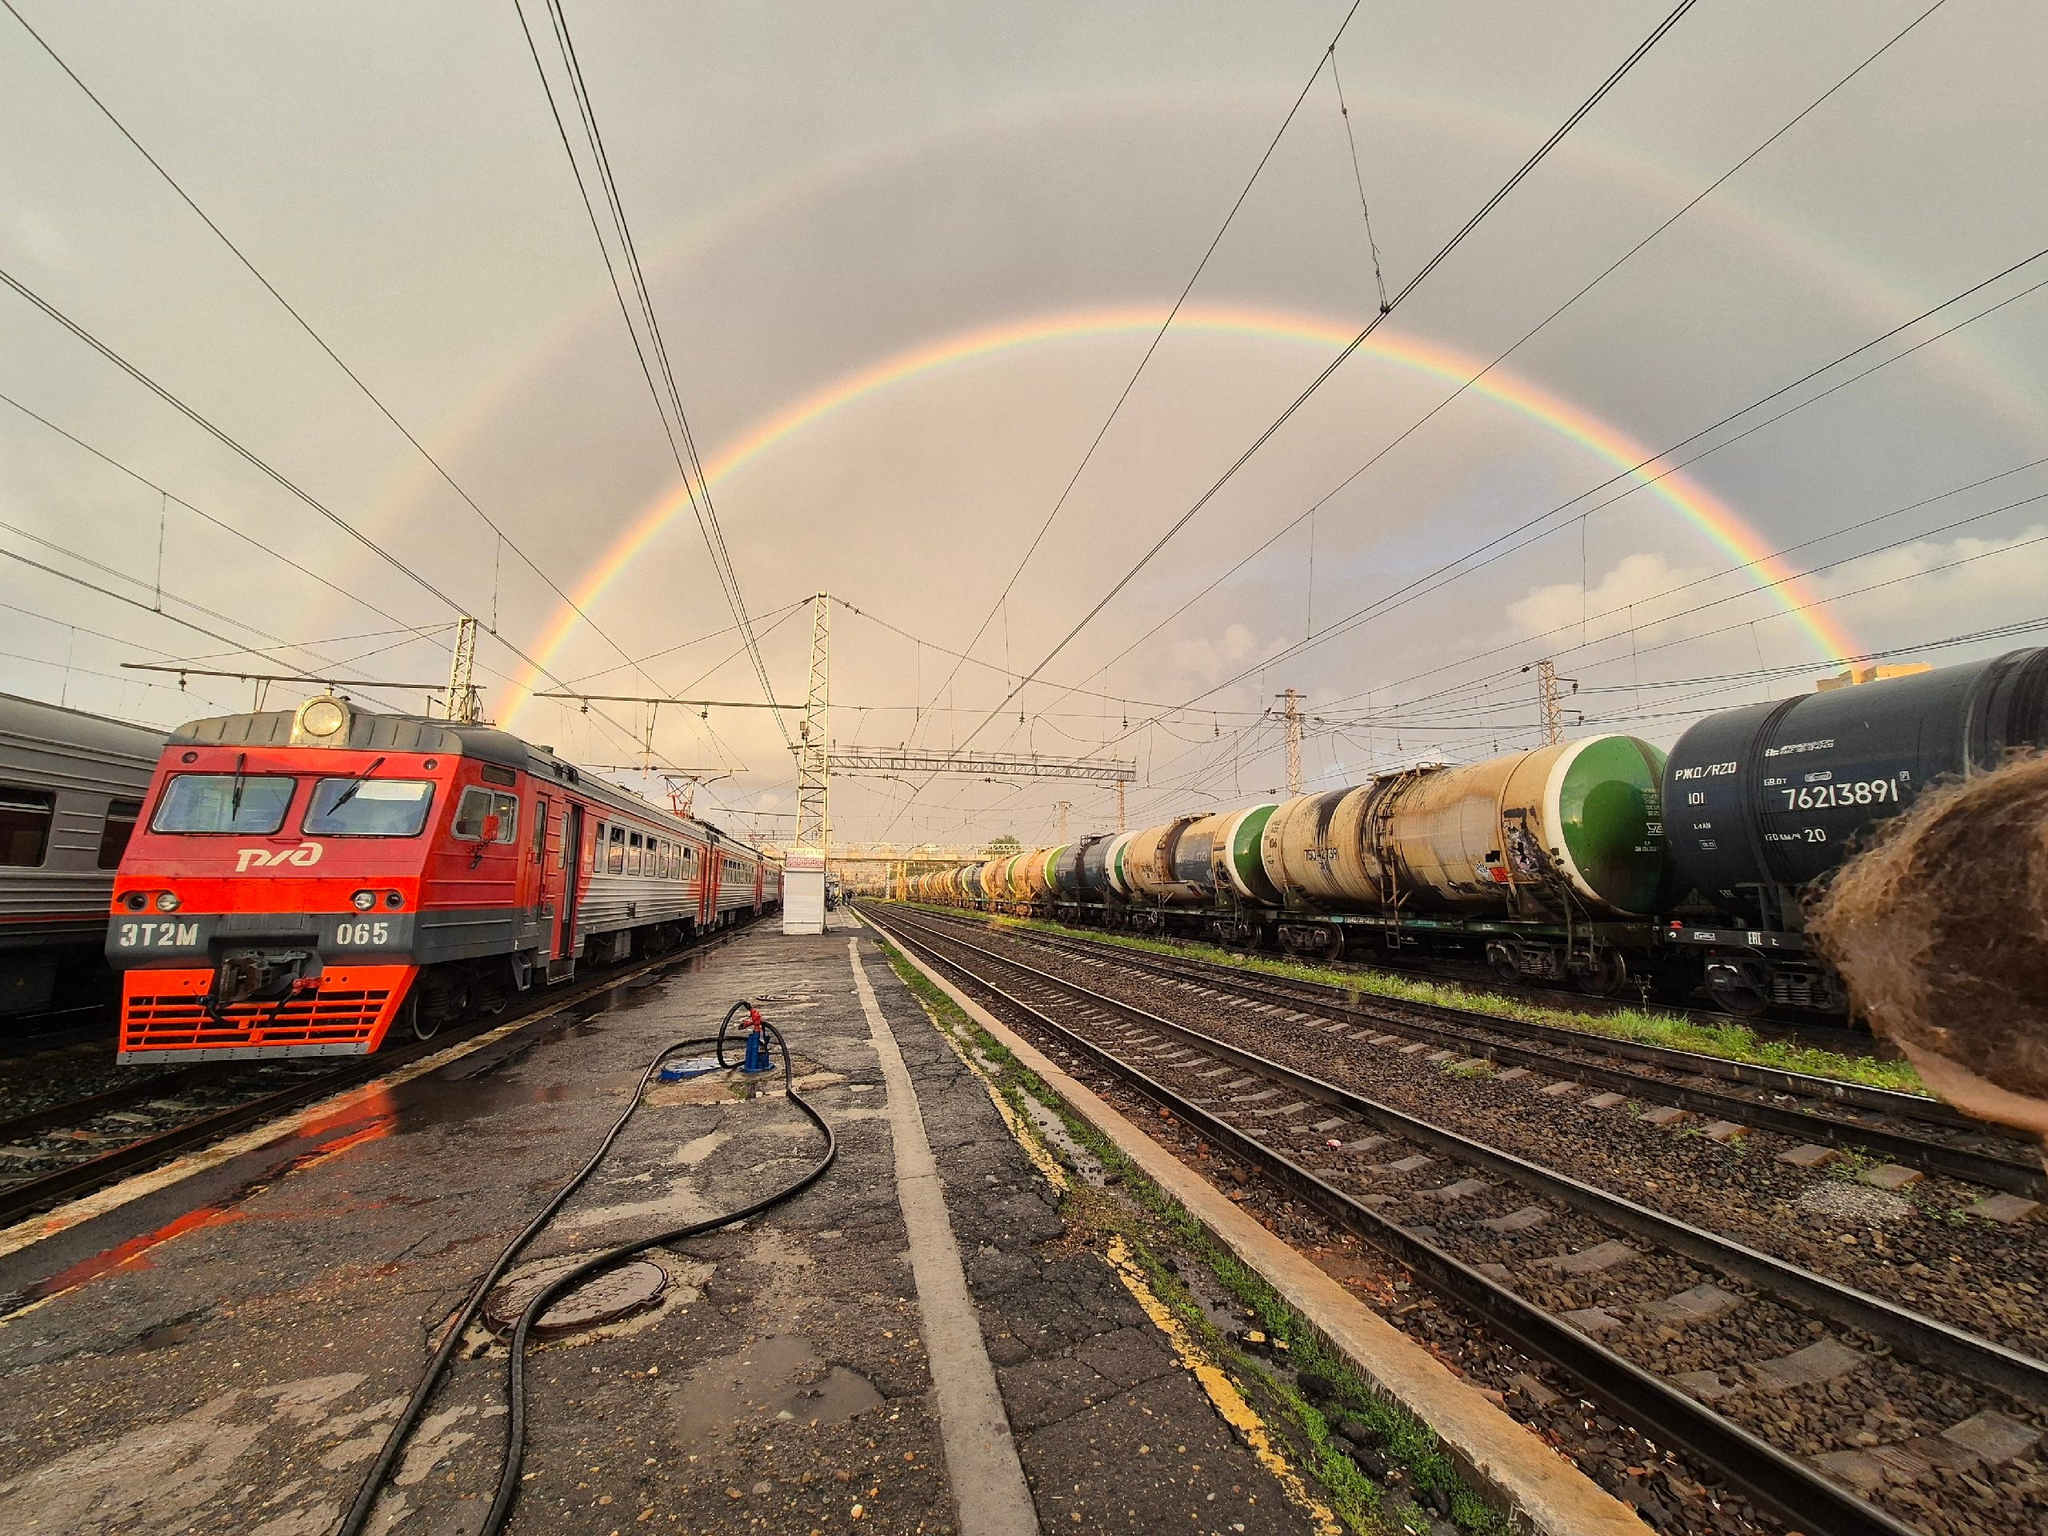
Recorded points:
(1443, 254)
(1529, 335)
(1158, 336)
(699, 491)
(305, 325)
(1403, 592)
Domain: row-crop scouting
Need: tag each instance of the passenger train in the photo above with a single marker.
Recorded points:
(71, 786)
(319, 881)
(1603, 863)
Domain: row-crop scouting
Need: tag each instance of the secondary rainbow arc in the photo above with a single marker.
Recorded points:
(1720, 522)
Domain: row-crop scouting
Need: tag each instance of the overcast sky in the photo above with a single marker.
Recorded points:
(955, 226)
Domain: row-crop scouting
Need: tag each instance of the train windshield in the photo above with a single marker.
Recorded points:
(369, 807)
(223, 802)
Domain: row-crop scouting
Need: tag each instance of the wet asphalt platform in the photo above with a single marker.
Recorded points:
(225, 1354)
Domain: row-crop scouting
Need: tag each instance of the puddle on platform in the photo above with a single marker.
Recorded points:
(774, 1379)
(371, 1118)
(429, 1102)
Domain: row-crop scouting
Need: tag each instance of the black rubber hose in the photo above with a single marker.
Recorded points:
(358, 1515)
(725, 1028)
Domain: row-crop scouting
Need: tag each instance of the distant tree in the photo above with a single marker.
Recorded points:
(1001, 846)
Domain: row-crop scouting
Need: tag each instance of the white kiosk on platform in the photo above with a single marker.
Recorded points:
(803, 891)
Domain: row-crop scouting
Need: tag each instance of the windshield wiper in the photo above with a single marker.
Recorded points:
(354, 784)
(241, 782)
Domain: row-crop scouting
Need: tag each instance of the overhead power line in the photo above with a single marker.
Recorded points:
(1443, 254)
(1534, 331)
(139, 478)
(1325, 58)
(263, 466)
(682, 443)
(1500, 546)
(305, 325)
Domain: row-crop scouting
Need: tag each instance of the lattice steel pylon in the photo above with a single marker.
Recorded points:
(1549, 702)
(465, 706)
(814, 746)
(1293, 719)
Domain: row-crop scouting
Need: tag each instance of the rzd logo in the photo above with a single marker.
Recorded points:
(263, 858)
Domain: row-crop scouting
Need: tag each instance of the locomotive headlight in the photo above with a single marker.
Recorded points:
(363, 900)
(393, 900)
(135, 901)
(167, 901)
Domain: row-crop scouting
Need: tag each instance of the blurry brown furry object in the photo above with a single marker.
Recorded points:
(1941, 928)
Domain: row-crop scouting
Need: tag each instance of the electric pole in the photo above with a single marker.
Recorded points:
(464, 705)
(1120, 805)
(814, 749)
(1293, 719)
(1063, 807)
(1551, 704)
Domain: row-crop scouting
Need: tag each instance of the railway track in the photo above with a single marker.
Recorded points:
(61, 1151)
(1804, 1393)
(1855, 1115)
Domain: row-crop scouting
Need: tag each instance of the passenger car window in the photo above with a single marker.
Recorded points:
(25, 817)
(224, 802)
(477, 806)
(617, 859)
(369, 807)
(115, 830)
(540, 831)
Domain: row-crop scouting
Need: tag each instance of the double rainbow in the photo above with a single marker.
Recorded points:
(1712, 516)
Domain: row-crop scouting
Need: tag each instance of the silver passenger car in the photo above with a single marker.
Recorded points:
(71, 786)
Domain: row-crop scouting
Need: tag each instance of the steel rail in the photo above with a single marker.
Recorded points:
(1965, 1163)
(1802, 1496)
(1933, 1343)
(100, 1103)
(1886, 1101)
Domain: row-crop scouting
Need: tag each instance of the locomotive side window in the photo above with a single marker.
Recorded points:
(477, 807)
(25, 817)
(369, 807)
(616, 859)
(116, 830)
(224, 802)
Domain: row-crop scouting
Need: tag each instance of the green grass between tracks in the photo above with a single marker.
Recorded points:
(1152, 1223)
(1731, 1042)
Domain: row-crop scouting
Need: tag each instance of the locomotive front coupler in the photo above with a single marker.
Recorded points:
(245, 975)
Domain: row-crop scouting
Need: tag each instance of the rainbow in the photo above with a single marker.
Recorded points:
(1718, 521)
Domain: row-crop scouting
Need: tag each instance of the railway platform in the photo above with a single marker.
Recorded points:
(951, 1330)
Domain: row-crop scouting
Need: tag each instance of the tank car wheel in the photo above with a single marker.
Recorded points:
(1504, 967)
(1735, 993)
(1334, 950)
(1606, 977)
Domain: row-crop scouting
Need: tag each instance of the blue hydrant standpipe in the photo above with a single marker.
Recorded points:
(758, 1058)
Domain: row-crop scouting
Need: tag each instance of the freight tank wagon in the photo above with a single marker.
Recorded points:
(1767, 801)
(1552, 861)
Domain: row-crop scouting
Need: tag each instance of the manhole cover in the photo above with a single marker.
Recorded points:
(617, 1293)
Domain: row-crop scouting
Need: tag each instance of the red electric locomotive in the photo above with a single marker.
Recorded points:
(307, 883)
